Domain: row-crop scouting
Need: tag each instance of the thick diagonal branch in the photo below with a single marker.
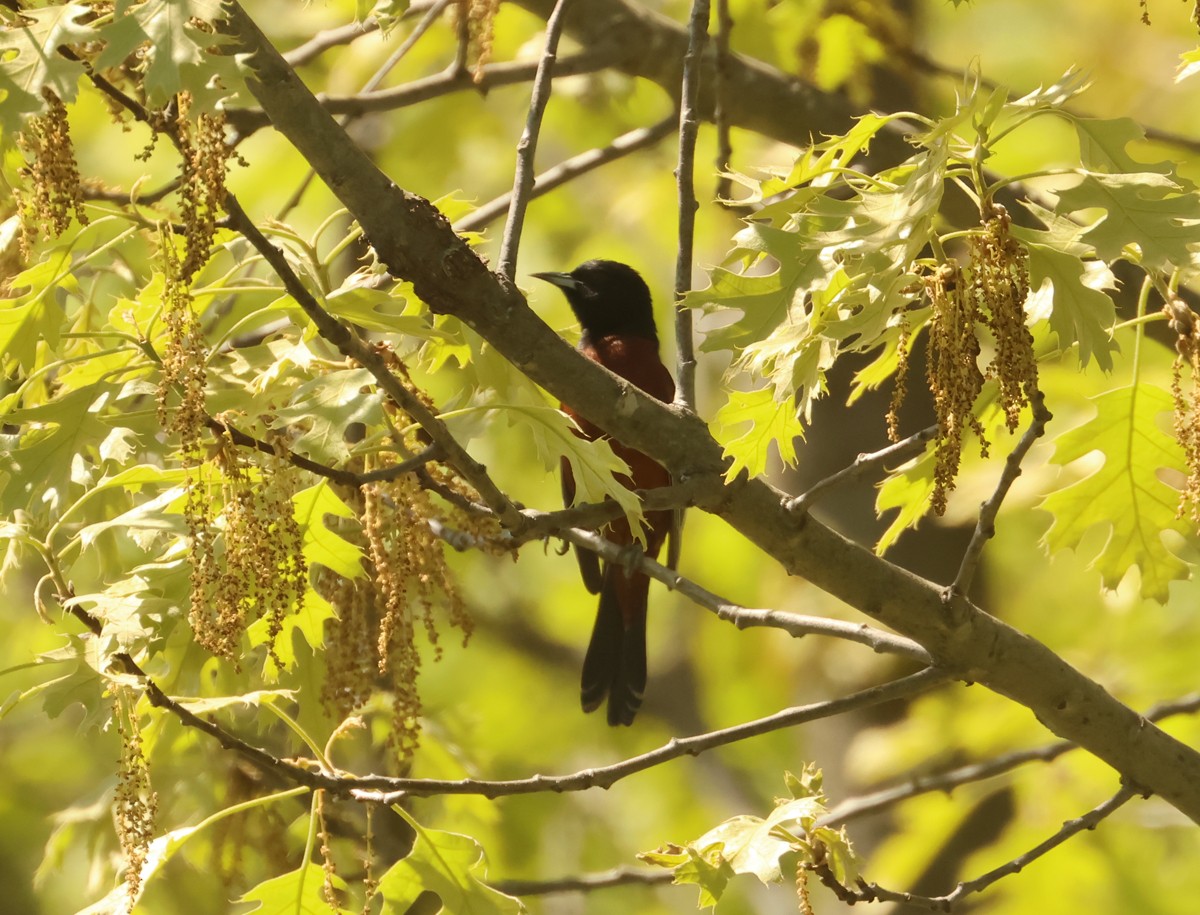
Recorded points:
(417, 243)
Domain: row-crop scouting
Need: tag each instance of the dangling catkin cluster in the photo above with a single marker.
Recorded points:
(999, 277)
(802, 897)
(202, 191)
(328, 869)
(953, 374)
(184, 358)
(900, 391)
(264, 573)
(992, 291)
(411, 576)
(135, 805)
(477, 20)
(54, 189)
(1187, 403)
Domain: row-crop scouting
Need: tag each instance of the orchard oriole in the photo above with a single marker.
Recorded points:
(612, 303)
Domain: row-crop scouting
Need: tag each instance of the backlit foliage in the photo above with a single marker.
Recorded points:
(211, 507)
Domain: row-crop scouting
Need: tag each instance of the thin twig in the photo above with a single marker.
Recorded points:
(388, 790)
(435, 10)
(797, 625)
(125, 664)
(592, 515)
(332, 38)
(334, 474)
(720, 89)
(947, 781)
(927, 64)
(571, 168)
(618, 876)
(871, 892)
(863, 464)
(689, 126)
(985, 528)
(527, 146)
(794, 624)
(248, 120)
(143, 199)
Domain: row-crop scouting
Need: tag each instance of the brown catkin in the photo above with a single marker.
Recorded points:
(953, 374)
(1000, 283)
(135, 805)
(53, 190)
(1184, 322)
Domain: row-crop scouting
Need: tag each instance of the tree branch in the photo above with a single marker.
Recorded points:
(417, 243)
(527, 146)
(863, 464)
(334, 474)
(871, 892)
(248, 120)
(795, 624)
(689, 127)
(571, 168)
(385, 790)
(947, 781)
(348, 344)
(985, 527)
(618, 876)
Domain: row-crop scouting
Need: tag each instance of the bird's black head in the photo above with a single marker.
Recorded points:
(607, 298)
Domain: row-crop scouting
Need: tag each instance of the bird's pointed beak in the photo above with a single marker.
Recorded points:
(561, 280)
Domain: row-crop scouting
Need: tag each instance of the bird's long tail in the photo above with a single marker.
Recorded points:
(615, 663)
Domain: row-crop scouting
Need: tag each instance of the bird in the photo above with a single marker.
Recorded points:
(616, 313)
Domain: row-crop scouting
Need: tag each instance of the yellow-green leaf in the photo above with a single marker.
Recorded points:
(1124, 495)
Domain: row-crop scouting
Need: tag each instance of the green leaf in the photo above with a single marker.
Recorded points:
(748, 845)
(594, 464)
(706, 869)
(1080, 312)
(449, 865)
(764, 300)
(30, 62)
(909, 490)
(837, 853)
(381, 310)
(1189, 65)
(1102, 145)
(324, 407)
(207, 705)
(82, 686)
(308, 621)
(56, 436)
(34, 316)
(300, 892)
(1125, 495)
(810, 783)
(768, 421)
(173, 49)
(1069, 85)
(130, 612)
(321, 543)
(145, 521)
(1144, 209)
